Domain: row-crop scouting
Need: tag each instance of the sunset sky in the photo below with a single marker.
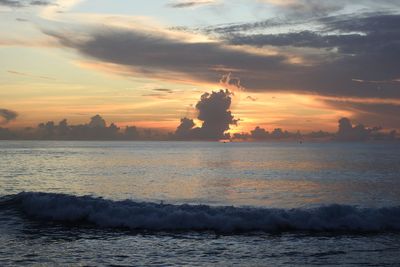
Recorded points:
(295, 64)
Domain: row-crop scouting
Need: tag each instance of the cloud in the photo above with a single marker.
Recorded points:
(185, 129)
(306, 8)
(186, 4)
(334, 58)
(381, 114)
(11, 3)
(13, 72)
(375, 49)
(251, 98)
(348, 132)
(7, 115)
(348, 43)
(96, 129)
(164, 90)
(260, 134)
(157, 55)
(318, 8)
(213, 128)
(21, 3)
(214, 112)
(40, 3)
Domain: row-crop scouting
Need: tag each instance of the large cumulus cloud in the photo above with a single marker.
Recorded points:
(214, 112)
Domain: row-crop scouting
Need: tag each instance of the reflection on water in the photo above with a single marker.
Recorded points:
(262, 174)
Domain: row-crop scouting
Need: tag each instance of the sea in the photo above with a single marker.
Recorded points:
(87, 203)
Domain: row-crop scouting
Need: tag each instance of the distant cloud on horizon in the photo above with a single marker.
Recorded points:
(7, 115)
(339, 57)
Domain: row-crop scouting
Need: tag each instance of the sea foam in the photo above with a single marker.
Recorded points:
(150, 216)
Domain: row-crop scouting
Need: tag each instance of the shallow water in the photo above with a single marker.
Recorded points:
(269, 185)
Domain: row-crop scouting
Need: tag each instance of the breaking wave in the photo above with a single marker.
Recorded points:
(134, 215)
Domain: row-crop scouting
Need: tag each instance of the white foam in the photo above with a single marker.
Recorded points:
(151, 216)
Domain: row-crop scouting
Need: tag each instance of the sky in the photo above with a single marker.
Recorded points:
(295, 64)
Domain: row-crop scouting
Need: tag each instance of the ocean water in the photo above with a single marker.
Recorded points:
(199, 204)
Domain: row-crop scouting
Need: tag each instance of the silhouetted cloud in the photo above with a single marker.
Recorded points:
(214, 112)
(212, 129)
(6, 134)
(383, 114)
(261, 134)
(7, 115)
(348, 132)
(185, 129)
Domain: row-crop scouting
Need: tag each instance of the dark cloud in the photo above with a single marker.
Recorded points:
(214, 112)
(212, 129)
(249, 97)
(350, 49)
(21, 20)
(185, 129)
(307, 8)
(370, 55)
(260, 134)
(165, 90)
(155, 55)
(320, 8)
(6, 134)
(40, 3)
(95, 129)
(22, 3)
(381, 114)
(350, 35)
(348, 132)
(7, 115)
(188, 4)
(364, 48)
(11, 3)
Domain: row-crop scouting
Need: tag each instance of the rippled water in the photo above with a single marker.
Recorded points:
(269, 185)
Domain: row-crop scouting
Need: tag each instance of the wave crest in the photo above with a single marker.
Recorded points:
(167, 217)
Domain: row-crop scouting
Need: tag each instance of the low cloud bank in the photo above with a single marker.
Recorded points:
(7, 115)
(215, 116)
(95, 129)
(347, 132)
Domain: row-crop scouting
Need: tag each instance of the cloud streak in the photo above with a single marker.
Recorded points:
(186, 4)
(19, 3)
